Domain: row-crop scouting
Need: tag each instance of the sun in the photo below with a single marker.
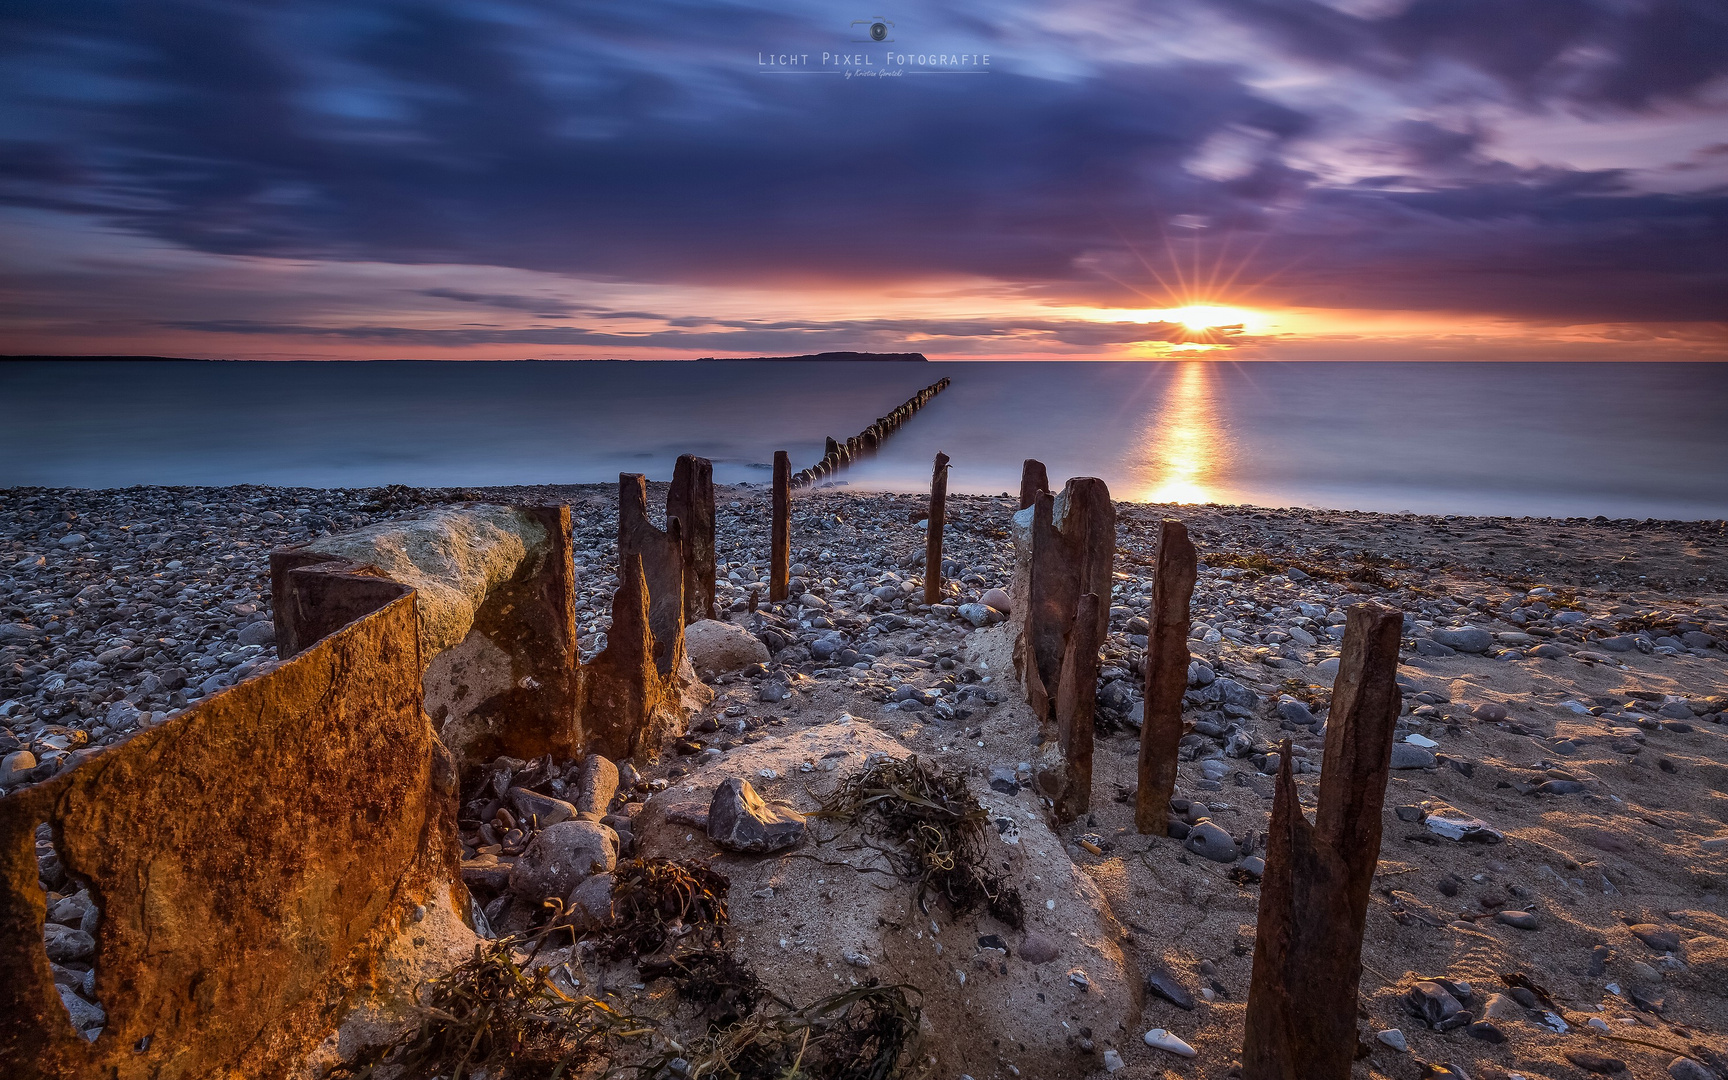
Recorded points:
(1194, 318)
(1200, 317)
(1191, 329)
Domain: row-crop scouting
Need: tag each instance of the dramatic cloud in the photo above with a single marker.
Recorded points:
(1288, 152)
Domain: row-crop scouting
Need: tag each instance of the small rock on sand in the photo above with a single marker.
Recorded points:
(1656, 938)
(1035, 948)
(1467, 639)
(1455, 826)
(1595, 1063)
(716, 648)
(1406, 756)
(1165, 985)
(1432, 1003)
(1211, 842)
(739, 820)
(1164, 1040)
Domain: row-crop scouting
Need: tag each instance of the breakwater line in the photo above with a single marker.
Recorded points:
(840, 454)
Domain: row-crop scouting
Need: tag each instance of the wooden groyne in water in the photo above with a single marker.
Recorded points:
(840, 454)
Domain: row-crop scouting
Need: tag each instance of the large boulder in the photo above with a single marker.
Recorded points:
(453, 556)
(562, 857)
(800, 922)
(716, 647)
(739, 820)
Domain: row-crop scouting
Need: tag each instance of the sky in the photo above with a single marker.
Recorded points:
(1253, 179)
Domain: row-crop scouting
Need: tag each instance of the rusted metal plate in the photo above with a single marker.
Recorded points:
(249, 858)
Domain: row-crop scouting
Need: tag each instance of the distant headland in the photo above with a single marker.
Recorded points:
(826, 356)
(904, 356)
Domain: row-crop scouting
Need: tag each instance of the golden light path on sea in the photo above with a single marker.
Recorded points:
(1184, 447)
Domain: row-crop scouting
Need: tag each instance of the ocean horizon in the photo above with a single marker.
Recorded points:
(1542, 439)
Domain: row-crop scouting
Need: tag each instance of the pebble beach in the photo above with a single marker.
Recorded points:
(1556, 811)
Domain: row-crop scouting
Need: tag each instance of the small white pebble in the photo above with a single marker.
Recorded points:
(1160, 1039)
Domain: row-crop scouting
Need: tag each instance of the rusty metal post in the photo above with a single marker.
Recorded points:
(934, 522)
(690, 501)
(1301, 1019)
(1076, 704)
(780, 542)
(1033, 479)
(1166, 669)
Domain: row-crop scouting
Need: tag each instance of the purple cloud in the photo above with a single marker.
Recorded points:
(641, 143)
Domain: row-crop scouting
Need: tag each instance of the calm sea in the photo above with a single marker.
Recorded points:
(1622, 440)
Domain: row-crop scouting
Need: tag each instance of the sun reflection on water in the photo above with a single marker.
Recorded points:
(1184, 448)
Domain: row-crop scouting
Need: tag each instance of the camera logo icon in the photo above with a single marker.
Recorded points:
(873, 29)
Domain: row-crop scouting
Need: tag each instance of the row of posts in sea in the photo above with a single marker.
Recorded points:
(841, 454)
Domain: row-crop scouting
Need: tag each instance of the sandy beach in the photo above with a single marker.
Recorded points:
(1565, 689)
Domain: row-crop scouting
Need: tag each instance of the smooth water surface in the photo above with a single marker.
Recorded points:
(1622, 440)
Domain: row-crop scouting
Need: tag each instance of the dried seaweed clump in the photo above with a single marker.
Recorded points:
(659, 902)
(859, 1034)
(930, 829)
(1309, 694)
(1369, 569)
(491, 1015)
(722, 988)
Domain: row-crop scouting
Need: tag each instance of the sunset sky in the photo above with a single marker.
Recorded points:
(1260, 179)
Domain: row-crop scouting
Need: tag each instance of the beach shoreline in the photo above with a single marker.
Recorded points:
(91, 571)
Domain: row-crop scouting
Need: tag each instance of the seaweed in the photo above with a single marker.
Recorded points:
(1315, 697)
(1257, 561)
(714, 980)
(933, 833)
(659, 902)
(857, 1034)
(492, 1015)
(1369, 569)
